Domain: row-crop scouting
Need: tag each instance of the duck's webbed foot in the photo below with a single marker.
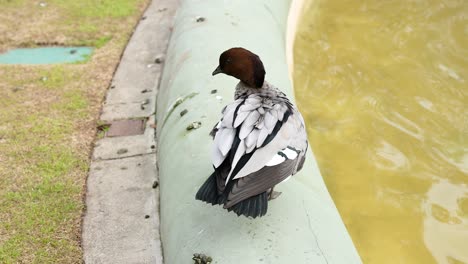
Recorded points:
(273, 194)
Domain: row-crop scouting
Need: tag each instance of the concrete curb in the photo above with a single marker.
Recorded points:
(303, 225)
(121, 224)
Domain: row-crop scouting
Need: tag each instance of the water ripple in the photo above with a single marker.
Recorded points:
(403, 124)
(389, 157)
(445, 225)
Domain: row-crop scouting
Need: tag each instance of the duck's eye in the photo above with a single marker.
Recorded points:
(228, 60)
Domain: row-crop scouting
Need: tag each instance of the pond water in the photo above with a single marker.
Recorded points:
(383, 86)
(46, 55)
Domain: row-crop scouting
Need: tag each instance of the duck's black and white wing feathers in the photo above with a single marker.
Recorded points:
(262, 140)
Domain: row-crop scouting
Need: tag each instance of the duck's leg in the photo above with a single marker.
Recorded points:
(273, 194)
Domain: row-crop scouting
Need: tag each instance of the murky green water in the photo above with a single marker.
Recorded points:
(47, 55)
(384, 89)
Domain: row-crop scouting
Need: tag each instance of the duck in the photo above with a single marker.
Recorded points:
(259, 142)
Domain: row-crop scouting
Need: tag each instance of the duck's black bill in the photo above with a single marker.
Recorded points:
(218, 70)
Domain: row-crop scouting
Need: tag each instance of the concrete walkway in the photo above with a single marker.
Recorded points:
(121, 224)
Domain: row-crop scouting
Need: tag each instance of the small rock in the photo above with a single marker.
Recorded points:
(200, 19)
(143, 17)
(73, 51)
(214, 91)
(147, 216)
(122, 151)
(153, 146)
(162, 9)
(155, 184)
(123, 168)
(42, 4)
(219, 97)
(149, 65)
(159, 60)
(183, 112)
(44, 78)
(98, 168)
(202, 259)
(112, 86)
(146, 91)
(16, 89)
(145, 102)
(194, 125)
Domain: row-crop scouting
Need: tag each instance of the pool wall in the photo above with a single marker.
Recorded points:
(303, 224)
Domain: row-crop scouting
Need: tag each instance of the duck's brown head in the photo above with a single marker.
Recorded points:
(243, 65)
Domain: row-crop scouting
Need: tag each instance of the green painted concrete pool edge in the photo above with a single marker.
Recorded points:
(46, 55)
(303, 224)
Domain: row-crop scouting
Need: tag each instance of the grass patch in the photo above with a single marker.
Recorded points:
(98, 43)
(48, 120)
(64, 22)
(54, 77)
(98, 9)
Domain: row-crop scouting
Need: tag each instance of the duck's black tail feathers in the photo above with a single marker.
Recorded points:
(254, 206)
(208, 192)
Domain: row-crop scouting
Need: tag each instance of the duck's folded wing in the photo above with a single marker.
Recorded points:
(252, 133)
(259, 181)
(224, 134)
(276, 148)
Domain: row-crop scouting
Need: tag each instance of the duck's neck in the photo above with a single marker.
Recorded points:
(244, 90)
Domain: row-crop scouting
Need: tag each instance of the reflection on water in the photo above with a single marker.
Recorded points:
(383, 86)
(445, 228)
